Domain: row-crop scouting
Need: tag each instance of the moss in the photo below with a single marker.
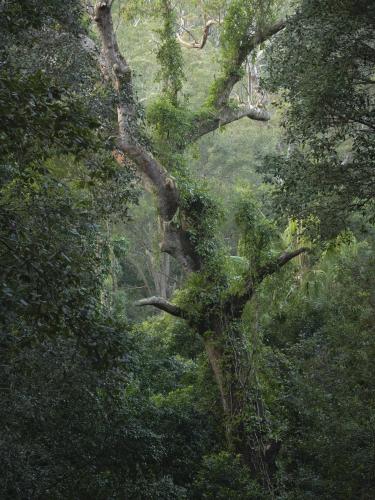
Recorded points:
(243, 18)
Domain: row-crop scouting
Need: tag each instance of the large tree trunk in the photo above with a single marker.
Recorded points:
(243, 408)
(230, 367)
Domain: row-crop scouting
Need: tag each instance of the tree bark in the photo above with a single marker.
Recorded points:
(228, 370)
(202, 43)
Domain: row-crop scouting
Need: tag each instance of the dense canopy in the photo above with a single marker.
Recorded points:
(187, 278)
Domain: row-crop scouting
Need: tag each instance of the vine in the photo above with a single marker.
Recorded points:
(169, 55)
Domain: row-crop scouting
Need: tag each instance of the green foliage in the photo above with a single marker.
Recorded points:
(172, 124)
(37, 117)
(224, 476)
(203, 295)
(201, 215)
(44, 236)
(169, 54)
(65, 365)
(21, 15)
(132, 9)
(92, 408)
(244, 18)
(323, 337)
(285, 335)
(258, 234)
(326, 75)
(185, 420)
(71, 427)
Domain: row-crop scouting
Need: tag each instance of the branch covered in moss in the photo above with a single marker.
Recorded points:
(218, 110)
(232, 73)
(208, 122)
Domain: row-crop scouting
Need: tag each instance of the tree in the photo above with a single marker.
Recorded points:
(212, 301)
(322, 340)
(264, 357)
(62, 357)
(323, 63)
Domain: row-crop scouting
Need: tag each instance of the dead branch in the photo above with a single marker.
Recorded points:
(196, 44)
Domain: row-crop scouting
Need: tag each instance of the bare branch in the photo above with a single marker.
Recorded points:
(277, 264)
(195, 44)
(224, 117)
(163, 305)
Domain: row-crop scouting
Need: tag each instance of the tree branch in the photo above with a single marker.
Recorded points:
(202, 43)
(235, 304)
(224, 117)
(233, 75)
(163, 305)
(119, 72)
(222, 113)
(274, 266)
(116, 68)
(176, 240)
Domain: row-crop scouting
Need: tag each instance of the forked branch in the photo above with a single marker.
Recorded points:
(236, 303)
(196, 44)
(176, 239)
(277, 264)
